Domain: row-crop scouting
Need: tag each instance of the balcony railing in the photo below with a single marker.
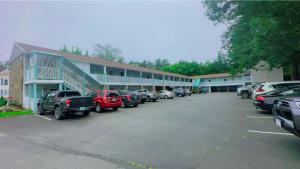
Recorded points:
(220, 83)
(49, 73)
(138, 81)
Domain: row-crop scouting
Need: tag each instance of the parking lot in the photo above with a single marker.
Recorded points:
(200, 131)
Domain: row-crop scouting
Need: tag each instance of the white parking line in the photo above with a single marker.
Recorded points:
(43, 117)
(259, 117)
(268, 132)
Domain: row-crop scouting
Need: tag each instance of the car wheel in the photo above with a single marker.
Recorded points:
(166, 97)
(98, 108)
(86, 113)
(148, 98)
(135, 105)
(115, 108)
(40, 110)
(154, 100)
(245, 95)
(123, 105)
(58, 114)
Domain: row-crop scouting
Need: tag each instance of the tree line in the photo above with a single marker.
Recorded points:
(218, 65)
(259, 31)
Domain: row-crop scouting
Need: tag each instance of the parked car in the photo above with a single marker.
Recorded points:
(63, 103)
(270, 86)
(266, 101)
(286, 112)
(165, 94)
(179, 92)
(143, 96)
(104, 99)
(129, 98)
(246, 92)
(188, 92)
(151, 96)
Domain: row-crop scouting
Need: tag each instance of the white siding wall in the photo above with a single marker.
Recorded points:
(4, 88)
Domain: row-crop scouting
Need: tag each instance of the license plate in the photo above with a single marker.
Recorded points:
(82, 108)
(278, 122)
(114, 99)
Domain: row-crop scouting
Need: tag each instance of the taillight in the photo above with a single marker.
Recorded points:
(128, 97)
(259, 89)
(68, 102)
(259, 98)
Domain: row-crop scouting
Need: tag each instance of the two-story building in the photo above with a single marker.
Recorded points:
(4, 81)
(225, 82)
(34, 71)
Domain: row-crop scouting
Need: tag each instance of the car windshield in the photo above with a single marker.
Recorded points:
(112, 94)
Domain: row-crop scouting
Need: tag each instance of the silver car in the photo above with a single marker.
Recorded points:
(165, 94)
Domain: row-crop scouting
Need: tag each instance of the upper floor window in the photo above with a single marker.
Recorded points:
(209, 80)
(5, 82)
(225, 79)
(96, 69)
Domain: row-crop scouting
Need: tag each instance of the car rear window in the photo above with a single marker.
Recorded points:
(112, 94)
(68, 94)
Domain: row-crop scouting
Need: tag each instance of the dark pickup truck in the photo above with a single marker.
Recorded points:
(63, 103)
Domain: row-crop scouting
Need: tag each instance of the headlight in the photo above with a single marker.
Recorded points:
(298, 105)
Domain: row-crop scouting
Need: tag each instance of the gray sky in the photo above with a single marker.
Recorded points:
(175, 30)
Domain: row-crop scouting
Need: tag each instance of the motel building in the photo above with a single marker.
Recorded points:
(35, 71)
(225, 82)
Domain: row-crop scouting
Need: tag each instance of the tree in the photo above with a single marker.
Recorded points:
(259, 30)
(76, 51)
(108, 52)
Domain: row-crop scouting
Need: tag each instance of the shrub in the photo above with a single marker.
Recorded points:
(3, 102)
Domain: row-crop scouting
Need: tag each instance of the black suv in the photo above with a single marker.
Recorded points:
(287, 113)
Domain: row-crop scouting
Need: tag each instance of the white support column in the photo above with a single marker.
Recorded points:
(125, 73)
(104, 68)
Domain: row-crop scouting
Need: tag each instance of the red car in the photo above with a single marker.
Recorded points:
(104, 99)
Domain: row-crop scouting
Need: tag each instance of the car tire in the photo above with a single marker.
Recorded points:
(148, 98)
(58, 113)
(99, 109)
(180, 95)
(154, 100)
(166, 97)
(86, 113)
(244, 95)
(123, 105)
(115, 108)
(135, 105)
(40, 110)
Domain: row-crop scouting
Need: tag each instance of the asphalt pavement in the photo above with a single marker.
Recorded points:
(207, 131)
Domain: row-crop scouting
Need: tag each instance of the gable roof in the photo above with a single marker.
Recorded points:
(2, 68)
(95, 60)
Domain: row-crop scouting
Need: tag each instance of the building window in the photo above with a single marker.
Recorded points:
(96, 69)
(5, 82)
(225, 79)
(5, 92)
(110, 72)
(209, 80)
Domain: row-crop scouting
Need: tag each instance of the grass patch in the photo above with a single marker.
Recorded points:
(15, 113)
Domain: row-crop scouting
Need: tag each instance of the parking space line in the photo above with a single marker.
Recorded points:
(259, 117)
(43, 117)
(268, 132)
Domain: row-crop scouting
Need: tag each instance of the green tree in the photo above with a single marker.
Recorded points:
(108, 52)
(76, 51)
(259, 31)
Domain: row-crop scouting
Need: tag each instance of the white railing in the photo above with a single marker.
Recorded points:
(229, 82)
(74, 85)
(132, 80)
(48, 73)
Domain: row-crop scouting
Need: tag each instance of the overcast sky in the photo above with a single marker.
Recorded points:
(175, 30)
